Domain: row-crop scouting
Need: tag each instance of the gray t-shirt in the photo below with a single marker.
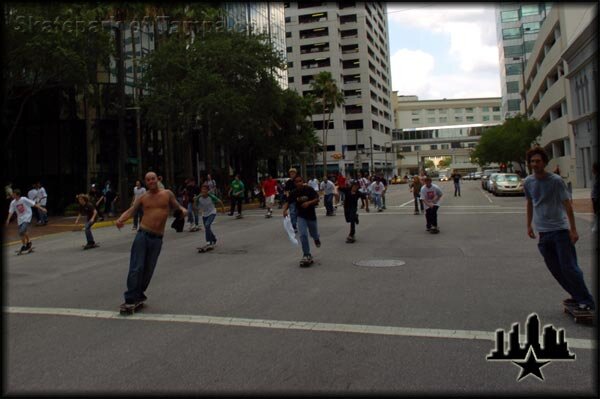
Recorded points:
(547, 196)
(206, 206)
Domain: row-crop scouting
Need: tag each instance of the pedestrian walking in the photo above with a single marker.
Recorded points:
(138, 191)
(236, 193)
(305, 199)
(288, 188)
(328, 189)
(550, 209)
(415, 186)
(314, 183)
(341, 183)
(384, 180)
(32, 195)
(87, 208)
(42, 199)
(431, 195)
(191, 191)
(212, 184)
(148, 240)
(97, 199)
(376, 189)
(364, 187)
(22, 207)
(456, 179)
(269, 189)
(351, 195)
(205, 203)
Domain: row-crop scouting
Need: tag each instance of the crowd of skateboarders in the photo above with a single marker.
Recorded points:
(548, 206)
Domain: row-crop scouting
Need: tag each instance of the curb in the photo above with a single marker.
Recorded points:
(108, 223)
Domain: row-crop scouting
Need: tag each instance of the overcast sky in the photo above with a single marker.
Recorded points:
(444, 50)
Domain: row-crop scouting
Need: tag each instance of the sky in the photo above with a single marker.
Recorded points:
(444, 50)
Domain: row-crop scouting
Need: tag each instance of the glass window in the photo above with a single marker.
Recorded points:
(513, 69)
(496, 117)
(290, 64)
(513, 51)
(512, 87)
(288, 34)
(417, 147)
(496, 109)
(458, 119)
(415, 120)
(430, 120)
(442, 110)
(431, 111)
(530, 10)
(510, 16)
(415, 112)
(470, 118)
(443, 119)
(485, 109)
(511, 33)
(485, 118)
(289, 49)
(458, 110)
(528, 45)
(469, 109)
(531, 27)
(290, 79)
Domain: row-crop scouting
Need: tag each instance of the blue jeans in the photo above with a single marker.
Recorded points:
(192, 215)
(293, 215)
(328, 198)
(144, 255)
(431, 216)
(88, 232)
(456, 189)
(207, 221)
(561, 259)
(377, 201)
(304, 227)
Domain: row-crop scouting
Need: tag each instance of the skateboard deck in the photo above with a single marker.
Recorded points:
(350, 240)
(206, 248)
(268, 216)
(27, 251)
(584, 317)
(239, 217)
(133, 310)
(94, 246)
(304, 263)
(434, 231)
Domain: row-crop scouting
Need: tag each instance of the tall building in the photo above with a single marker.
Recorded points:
(349, 40)
(517, 27)
(560, 94)
(437, 129)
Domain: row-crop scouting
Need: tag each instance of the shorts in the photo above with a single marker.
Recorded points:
(23, 227)
(270, 200)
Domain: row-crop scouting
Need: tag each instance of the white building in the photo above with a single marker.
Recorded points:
(349, 40)
(552, 100)
(517, 27)
(436, 129)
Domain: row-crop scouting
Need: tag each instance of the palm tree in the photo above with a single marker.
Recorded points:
(328, 97)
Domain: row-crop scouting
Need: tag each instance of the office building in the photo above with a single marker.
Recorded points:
(349, 40)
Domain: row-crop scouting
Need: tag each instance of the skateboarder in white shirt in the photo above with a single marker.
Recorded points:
(22, 206)
(431, 195)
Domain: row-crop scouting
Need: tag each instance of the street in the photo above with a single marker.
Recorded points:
(245, 319)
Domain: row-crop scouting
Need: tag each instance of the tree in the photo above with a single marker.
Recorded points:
(329, 97)
(429, 164)
(445, 162)
(508, 142)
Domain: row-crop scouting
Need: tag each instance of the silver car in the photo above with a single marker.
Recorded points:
(507, 183)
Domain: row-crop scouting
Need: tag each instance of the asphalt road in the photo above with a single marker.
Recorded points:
(245, 319)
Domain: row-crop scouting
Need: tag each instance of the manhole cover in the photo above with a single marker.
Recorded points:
(380, 263)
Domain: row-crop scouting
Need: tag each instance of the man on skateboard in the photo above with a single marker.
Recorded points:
(269, 189)
(22, 206)
(431, 195)
(87, 208)
(306, 199)
(205, 204)
(155, 203)
(549, 206)
(351, 195)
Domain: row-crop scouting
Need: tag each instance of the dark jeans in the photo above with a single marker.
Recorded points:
(561, 259)
(144, 255)
(293, 215)
(431, 216)
(88, 232)
(236, 200)
(417, 202)
(457, 189)
(328, 198)
(207, 221)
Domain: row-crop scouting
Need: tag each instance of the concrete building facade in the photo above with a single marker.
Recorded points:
(435, 129)
(517, 27)
(349, 40)
(552, 100)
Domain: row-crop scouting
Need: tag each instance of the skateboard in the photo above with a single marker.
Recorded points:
(25, 251)
(304, 263)
(434, 231)
(93, 246)
(268, 216)
(206, 248)
(239, 217)
(138, 306)
(584, 317)
(350, 240)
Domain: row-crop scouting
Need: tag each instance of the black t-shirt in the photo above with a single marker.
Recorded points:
(289, 185)
(351, 199)
(87, 210)
(300, 196)
(456, 177)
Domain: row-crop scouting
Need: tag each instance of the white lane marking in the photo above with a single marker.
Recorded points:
(486, 196)
(282, 324)
(406, 203)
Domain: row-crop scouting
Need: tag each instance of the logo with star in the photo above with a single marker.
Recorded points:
(527, 356)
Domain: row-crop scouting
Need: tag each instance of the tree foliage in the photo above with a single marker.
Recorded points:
(508, 142)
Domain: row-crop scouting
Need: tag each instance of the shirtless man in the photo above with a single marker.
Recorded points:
(148, 241)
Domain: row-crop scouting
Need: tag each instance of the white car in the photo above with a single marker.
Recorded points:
(444, 178)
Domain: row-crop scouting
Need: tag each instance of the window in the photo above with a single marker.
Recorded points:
(433, 147)
(485, 118)
(445, 147)
(442, 110)
(528, 45)
(430, 120)
(458, 110)
(513, 51)
(417, 148)
(510, 16)
(415, 112)
(290, 64)
(530, 10)
(307, 79)
(470, 118)
(443, 119)
(512, 87)
(288, 49)
(513, 69)
(485, 109)
(511, 33)
(290, 79)
(288, 19)
(415, 120)
(458, 119)
(469, 110)
(496, 109)
(431, 111)
(288, 34)
(496, 117)
(358, 124)
(531, 27)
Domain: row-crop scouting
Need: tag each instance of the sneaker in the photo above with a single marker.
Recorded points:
(429, 229)
(584, 308)
(379, 210)
(23, 248)
(29, 244)
(88, 246)
(416, 212)
(318, 243)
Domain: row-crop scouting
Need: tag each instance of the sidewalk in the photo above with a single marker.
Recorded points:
(61, 224)
(582, 200)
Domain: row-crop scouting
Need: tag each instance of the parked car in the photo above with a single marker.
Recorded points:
(507, 183)
(443, 178)
(485, 175)
(490, 181)
(477, 176)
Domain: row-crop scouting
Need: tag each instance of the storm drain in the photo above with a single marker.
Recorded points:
(380, 263)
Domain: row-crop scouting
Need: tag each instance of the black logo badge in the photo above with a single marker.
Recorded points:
(532, 356)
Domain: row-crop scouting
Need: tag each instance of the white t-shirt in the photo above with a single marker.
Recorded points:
(42, 196)
(328, 187)
(377, 187)
(138, 192)
(314, 183)
(22, 207)
(32, 194)
(363, 182)
(430, 193)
